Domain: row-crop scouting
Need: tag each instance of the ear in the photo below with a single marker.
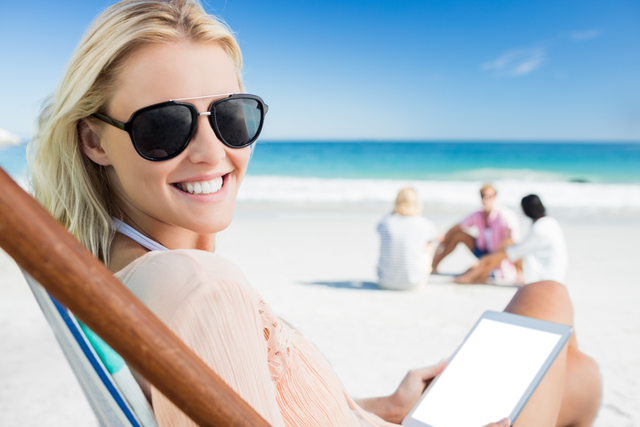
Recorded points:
(90, 143)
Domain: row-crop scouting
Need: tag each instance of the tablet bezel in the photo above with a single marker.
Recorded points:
(563, 330)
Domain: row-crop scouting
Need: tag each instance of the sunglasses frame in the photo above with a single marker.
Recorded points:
(128, 125)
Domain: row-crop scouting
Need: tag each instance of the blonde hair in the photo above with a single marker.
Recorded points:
(71, 187)
(407, 203)
(486, 187)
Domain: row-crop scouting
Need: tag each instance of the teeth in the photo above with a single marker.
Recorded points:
(202, 187)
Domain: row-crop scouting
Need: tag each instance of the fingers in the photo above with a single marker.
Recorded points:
(502, 423)
(430, 371)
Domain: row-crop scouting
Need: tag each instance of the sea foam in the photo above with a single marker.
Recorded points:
(590, 196)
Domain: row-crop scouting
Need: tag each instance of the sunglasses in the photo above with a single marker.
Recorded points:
(163, 131)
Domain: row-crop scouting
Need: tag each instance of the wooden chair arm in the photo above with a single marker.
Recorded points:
(69, 272)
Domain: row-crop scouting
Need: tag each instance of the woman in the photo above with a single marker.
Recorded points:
(113, 144)
(406, 241)
(543, 251)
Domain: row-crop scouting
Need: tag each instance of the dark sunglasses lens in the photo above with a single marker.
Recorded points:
(238, 120)
(162, 132)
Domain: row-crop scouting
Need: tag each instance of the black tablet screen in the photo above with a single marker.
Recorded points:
(488, 376)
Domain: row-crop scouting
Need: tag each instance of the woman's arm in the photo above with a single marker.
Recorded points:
(395, 407)
(380, 406)
(519, 250)
(203, 300)
(219, 322)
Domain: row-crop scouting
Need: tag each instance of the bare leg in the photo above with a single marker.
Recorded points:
(454, 236)
(569, 394)
(480, 272)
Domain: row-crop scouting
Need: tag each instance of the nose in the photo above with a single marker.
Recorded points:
(205, 147)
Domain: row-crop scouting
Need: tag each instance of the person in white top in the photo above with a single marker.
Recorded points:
(406, 244)
(543, 251)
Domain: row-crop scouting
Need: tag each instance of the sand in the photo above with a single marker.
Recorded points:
(316, 266)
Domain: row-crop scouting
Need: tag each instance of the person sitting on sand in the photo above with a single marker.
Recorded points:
(140, 153)
(406, 244)
(543, 251)
(495, 224)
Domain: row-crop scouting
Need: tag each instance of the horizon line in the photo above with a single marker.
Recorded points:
(24, 142)
(445, 140)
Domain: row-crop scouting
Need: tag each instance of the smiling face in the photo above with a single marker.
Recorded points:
(156, 196)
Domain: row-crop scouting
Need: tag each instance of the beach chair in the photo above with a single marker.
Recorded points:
(112, 392)
(47, 252)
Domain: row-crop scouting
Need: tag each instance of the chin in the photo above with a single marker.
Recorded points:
(211, 227)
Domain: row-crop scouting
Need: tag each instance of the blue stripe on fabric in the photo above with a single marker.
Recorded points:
(96, 366)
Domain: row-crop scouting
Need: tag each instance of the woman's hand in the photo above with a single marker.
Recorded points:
(395, 407)
(411, 388)
(502, 423)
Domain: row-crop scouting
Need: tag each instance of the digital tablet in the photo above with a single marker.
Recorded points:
(492, 374)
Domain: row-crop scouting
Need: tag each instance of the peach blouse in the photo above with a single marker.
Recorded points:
(209, 304)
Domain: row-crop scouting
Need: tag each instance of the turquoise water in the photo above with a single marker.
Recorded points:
(450, 161)
(13, 159)
(591, 162)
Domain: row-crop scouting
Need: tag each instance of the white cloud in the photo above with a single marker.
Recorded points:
(516, 63)
(581, 36)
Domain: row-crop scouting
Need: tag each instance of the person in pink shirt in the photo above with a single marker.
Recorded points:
(496, 225)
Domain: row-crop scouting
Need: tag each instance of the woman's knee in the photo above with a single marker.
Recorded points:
(587, 367)
(583, 389)
(546, 300)
(550, 290)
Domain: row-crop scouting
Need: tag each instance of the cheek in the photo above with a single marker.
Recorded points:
(138, 180)
(240, 159)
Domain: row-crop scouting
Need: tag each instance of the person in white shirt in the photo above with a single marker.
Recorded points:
(543, 251)
(405, 244)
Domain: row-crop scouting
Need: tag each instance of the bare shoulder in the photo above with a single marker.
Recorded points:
(189, 263)
(123, 252)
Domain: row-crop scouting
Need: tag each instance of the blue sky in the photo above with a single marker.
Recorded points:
(387, 70)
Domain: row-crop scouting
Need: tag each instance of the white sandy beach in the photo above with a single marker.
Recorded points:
(316, 266)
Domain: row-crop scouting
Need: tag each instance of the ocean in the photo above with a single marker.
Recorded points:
(591, 176)
(450, 161)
